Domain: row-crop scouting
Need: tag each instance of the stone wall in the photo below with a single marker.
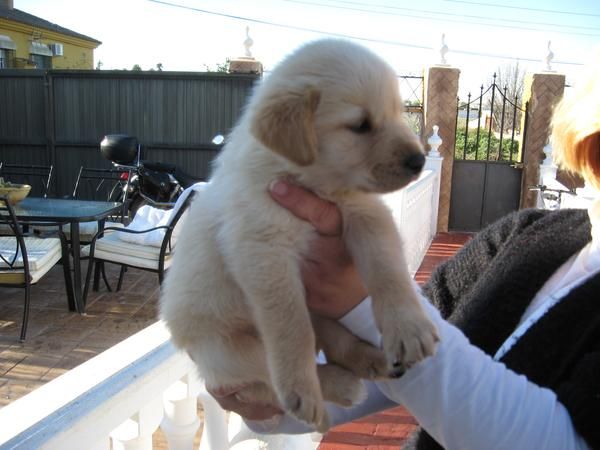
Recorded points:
(542, 91)
(441, 90)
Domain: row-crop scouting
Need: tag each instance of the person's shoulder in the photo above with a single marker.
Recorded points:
(537, 222)
(528, 216)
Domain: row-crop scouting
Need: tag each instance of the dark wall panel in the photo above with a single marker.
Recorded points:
(59, 117)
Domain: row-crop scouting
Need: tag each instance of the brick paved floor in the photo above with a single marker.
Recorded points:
(59, 340)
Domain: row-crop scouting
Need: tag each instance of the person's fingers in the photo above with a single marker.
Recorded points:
(323, 215)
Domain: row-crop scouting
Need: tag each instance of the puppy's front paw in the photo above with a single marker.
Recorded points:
(408, 339)
(304, 400)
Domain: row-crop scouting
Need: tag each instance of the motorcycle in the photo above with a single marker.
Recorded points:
(146, 182)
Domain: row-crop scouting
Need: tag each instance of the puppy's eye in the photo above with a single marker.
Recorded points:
(363, 127)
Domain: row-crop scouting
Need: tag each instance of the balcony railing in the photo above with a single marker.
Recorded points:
(119, 398)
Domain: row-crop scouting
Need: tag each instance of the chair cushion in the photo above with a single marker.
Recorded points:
(42, 255)
(149, 217)
(111, 248)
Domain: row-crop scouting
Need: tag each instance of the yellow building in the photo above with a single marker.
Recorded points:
(27, 41)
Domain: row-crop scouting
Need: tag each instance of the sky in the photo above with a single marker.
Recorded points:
(193, 35)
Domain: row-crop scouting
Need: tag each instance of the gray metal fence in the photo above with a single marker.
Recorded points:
(59, 117)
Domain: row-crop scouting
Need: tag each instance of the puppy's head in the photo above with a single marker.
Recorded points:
(333, 109)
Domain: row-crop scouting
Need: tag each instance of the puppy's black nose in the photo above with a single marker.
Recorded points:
(415, 162)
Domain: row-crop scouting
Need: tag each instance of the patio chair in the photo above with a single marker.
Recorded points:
(25, 259)
(38, 177)
(154, 257)
(103, 185)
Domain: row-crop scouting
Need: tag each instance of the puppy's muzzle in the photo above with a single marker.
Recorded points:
(399, 172)
(414, 162)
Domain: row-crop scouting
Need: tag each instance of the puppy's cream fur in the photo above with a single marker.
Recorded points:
(331, 119)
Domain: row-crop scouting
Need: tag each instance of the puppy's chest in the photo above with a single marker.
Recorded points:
(263, 223)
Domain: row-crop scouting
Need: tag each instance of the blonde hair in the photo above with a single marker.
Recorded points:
(576, 128)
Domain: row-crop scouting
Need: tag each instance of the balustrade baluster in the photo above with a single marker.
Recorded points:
(136, 432)
(180, 422)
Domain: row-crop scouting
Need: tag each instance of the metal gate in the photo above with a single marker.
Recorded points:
(488, 158)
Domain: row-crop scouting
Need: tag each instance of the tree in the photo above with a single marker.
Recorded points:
(510, 81)
(221, 67)
(136, 67)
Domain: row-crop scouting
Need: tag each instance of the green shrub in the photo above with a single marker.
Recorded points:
(478, 150)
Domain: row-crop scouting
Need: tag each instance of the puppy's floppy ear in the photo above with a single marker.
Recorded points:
(284, 122)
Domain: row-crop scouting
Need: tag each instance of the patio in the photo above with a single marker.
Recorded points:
(59, 341)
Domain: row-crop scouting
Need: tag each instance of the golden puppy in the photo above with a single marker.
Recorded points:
(330, 118)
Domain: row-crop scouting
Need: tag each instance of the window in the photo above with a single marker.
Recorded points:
(41, 61)
(7, 52)
(40, 55)
(7, 58)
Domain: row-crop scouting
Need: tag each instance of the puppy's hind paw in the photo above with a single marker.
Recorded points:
(341, 386)
(307, 407)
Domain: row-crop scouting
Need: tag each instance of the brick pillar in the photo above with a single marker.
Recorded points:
(542, 91)
(441, 90)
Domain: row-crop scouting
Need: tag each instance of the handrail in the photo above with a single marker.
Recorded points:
(126, 392)
(414, 209)
(84, 397)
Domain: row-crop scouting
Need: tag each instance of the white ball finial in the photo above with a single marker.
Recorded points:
(248, 43)
(549, 58)
(443, 51)
(548, 161)
(434, 142)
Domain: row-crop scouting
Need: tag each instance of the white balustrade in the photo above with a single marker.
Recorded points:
(415, 208)
(119, 398)
(412, 209)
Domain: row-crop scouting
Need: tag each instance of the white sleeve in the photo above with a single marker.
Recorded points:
(376, 401)
(461, 396)
(466, 400)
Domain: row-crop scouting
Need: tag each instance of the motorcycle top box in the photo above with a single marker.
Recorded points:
(119, 148)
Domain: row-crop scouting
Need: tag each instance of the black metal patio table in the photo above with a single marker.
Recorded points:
(73, 212)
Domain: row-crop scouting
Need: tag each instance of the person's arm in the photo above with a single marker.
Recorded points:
(460, 395)
(285, 424)
(465, 399)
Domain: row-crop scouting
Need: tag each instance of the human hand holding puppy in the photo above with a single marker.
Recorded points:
(333, 286)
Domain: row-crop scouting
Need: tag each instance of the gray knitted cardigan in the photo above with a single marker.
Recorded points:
(486, 287)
